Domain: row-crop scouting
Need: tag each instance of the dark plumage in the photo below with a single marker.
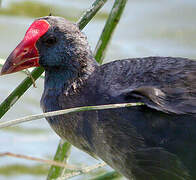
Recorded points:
(156, 141)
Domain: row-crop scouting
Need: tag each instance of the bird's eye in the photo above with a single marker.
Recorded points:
(51, 40)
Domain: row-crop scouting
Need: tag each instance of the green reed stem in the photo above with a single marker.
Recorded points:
(90, 13)
(108, 30)
(19, 91)
(62, 155)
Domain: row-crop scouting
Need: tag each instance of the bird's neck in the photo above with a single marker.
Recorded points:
(68, 79)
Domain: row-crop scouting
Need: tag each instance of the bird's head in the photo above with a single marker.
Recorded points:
(50, 42)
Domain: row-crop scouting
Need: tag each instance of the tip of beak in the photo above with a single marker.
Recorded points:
(3, 70)
(2, 73)
(6, 69)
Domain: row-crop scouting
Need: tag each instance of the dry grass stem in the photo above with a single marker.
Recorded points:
(49, 162)
(66, 111)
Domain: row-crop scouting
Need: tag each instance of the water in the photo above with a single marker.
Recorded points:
(147, 28)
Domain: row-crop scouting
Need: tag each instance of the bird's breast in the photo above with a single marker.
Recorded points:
(73, 127)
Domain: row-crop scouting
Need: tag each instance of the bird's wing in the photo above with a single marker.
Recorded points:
(178, 100)
(163, 83)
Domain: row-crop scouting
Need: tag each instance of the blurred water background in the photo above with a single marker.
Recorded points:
(147, 28)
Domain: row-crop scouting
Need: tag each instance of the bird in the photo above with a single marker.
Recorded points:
(154, 141)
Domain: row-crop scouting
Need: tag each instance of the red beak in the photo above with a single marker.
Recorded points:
(24, 56)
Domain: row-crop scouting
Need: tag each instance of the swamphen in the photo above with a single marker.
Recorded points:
(156, 141)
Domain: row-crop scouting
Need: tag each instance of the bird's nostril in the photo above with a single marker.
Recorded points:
(25, 51)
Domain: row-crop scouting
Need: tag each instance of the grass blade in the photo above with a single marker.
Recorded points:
(90, 13)
(66, 111)
(108, 30)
